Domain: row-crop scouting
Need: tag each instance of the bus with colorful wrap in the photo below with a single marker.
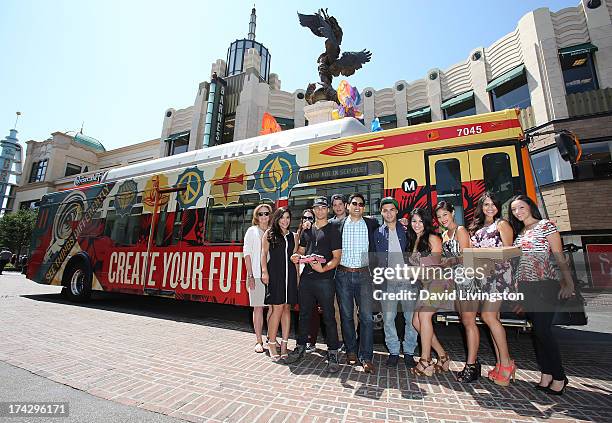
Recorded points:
(173, 226)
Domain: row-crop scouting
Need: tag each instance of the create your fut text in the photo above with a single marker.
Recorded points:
(191, 270)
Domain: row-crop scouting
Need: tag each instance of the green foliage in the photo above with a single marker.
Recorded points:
(16, 230)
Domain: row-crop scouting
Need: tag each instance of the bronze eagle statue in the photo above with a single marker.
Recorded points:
(330, 62)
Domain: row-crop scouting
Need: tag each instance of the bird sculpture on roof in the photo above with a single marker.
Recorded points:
(330, 62)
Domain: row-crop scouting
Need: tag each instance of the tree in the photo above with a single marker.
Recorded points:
(16, 230)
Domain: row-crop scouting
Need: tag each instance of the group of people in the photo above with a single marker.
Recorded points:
(327, 265)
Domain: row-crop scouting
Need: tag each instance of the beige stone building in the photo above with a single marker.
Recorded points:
(556, 66)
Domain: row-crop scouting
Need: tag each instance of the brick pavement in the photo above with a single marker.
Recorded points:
(202, 368)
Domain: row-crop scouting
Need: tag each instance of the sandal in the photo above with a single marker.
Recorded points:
(505, 374)
(274, 355)
(492, 374)
(423, 368)
(284, 343)
(443, 363)
(470, 373)
(259, 347)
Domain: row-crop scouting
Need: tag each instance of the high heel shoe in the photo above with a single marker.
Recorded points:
(443, 363)
(284, 355)
(423, 368)
(470, 373)
(274, 355)
(493, 372)
(551, 391)
(505, 374)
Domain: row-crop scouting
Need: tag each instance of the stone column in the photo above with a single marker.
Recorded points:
(401, 103)
(544, 76)
(320, 112)
(478, 70)
(434, 94)
(599, 25)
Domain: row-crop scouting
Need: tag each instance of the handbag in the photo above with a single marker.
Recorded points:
(571, 312)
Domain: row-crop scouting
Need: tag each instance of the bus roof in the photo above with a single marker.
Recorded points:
(304, 135)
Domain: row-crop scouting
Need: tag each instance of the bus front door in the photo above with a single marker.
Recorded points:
(448, 176)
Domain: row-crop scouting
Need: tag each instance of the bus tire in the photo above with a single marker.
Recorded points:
(77, 281)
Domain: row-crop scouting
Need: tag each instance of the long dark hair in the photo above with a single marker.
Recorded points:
(428, 229)
(300, 228)
(275, 234)
(516, 224)
(479, 216)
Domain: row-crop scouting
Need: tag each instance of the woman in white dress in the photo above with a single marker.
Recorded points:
(252, 258)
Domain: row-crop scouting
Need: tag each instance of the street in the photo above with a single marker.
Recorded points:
(130, 356)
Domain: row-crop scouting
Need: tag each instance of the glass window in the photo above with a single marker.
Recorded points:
(465, 108)
(514, 93)
(448, 185)
(72, 169)
(388, 122)
(285, 123)
(163, 232)
(595, 162)
(38, 171)
(228, 128)
(420, 119)
(178, 225)
(578, 73)
(301, 198)
(25, 205)
(227, 224)
(178, 145)
(543, 168)
(239, 58)
(498, 177)
(549, 167)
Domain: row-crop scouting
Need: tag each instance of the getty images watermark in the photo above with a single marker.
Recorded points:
(430, 290)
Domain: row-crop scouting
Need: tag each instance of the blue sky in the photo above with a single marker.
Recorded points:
(118, 65)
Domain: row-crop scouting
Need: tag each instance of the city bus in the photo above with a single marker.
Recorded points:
(173, 226)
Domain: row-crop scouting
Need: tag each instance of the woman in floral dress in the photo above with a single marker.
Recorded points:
(488, 230)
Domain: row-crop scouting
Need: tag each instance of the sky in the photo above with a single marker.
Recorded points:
(115, 66)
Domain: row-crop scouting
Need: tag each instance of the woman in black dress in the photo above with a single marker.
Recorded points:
(279, 275)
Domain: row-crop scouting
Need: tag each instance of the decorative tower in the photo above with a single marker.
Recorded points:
(251, 35)
(10, 164)
(237, 53)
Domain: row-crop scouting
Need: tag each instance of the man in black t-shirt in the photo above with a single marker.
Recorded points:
(317, 283)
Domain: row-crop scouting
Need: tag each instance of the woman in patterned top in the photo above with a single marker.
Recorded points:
(488, 230)
(538, 277)
(425, 248)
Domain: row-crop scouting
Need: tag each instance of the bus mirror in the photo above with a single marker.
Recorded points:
(568, 146)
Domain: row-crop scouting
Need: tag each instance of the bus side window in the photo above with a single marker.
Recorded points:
(448, 186)
(226, 224)
(134, 229)
(177, 227)
(498, 178)
(110, 223)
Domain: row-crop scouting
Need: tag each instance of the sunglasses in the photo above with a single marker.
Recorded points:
(263, 214)
(308, 218)
(356, 204)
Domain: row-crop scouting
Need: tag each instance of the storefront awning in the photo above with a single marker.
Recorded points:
(457, 99)
(418, 113)
(578, 49)
(508, 76)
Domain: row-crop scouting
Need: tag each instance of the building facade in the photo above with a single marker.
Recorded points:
(555, 66)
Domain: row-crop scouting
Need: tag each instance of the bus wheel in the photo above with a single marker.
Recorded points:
(77, 282)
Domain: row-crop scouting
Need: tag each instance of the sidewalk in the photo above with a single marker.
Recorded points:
(167, 357)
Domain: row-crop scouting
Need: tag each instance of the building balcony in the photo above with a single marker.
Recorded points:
(589, 102)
